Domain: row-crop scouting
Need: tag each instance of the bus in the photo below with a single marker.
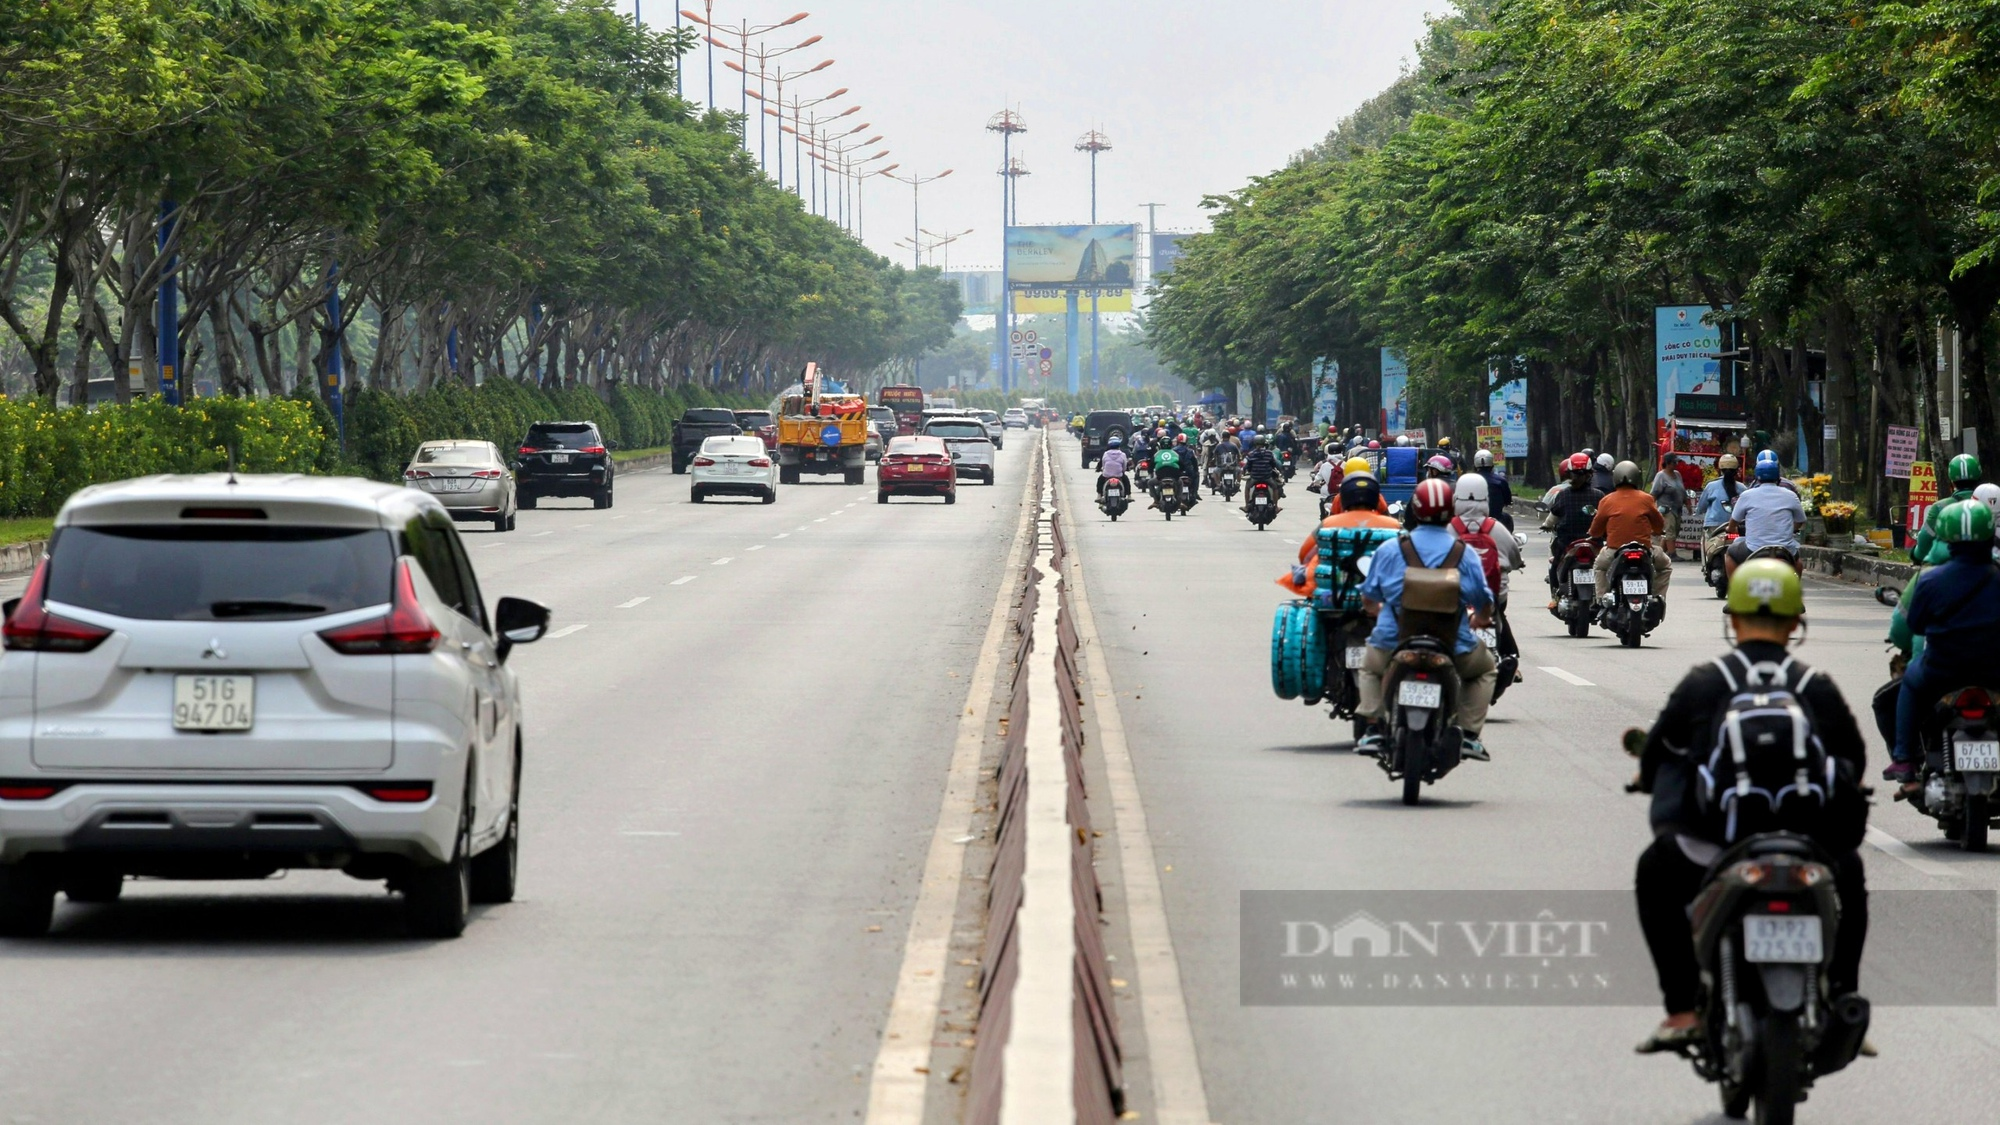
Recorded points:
(908, 403)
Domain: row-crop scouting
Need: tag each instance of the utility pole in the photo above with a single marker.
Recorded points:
(1152, 224)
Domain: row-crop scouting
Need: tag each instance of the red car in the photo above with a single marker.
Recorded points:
(919, 465)
(761, 423)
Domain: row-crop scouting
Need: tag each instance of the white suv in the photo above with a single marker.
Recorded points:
(970, 444)
(217, 677)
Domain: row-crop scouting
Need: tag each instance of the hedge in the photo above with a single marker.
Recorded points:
(46, 453)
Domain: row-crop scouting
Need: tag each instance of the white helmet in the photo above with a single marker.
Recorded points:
(1471, 486)
(1989, 494)
(1483, 459)
(1604, 460)
(1402, 439)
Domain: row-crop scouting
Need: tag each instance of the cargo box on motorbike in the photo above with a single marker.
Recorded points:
(1338, 578)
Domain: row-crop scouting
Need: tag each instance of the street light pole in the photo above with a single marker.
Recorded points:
(1093, 142)
(1006, 123)
(916, 217)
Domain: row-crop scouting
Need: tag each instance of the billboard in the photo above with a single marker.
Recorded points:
(1080, 257)
(1684, 354)
(1508, 408)
(1166, 251)
(1395, 393)
(1043, 302)
(1326, 390)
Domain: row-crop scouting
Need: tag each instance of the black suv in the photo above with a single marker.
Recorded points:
(1099, 427)
(564, 459)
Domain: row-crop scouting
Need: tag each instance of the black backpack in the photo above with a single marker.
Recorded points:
(1766, 770)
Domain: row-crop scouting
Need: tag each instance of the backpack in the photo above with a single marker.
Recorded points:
(1431, 605)
(1167, 459)
(1766, 770)
(1481, 541)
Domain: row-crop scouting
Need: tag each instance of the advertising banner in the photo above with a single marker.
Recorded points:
(1080, 257)
(1491, 442)
(1902, 452)
(1509, 409)
(1684, 354)
(1395, 393)
(1166, 251)
(1326, 391)
(1042, 302)
(1923, 492)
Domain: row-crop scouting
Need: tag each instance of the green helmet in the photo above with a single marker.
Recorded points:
(1766, 588)
(1625, 474)
(1964, 468)
(1967, 521)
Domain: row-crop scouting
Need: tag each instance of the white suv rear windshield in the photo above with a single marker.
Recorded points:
(969, 428)
(209, 573)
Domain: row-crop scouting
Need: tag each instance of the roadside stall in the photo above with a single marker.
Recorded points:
(1700, 430)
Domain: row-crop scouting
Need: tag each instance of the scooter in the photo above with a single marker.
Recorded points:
(1632, 610)
(1715, 566)
(1575, 588)
(1263, 505)
(1167, 496)
(1422, 690)
(1961, 766)
(1114, 501)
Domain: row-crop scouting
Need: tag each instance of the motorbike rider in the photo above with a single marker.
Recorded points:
(1357, 469)
(1500, 496)
(1764, 607)
(1628, 516)
(1445, 450)
(1166, 463)
(1767, 515)
(1472, 513)
(1670, 493)
(1715, 502)
(1440, 467)
(1571, 512)
(1964, 473)
(1955, 608)
(1770, 456)
(1600, 478)
(1382, 594)
(1360, 505)
(1261, 465)
(1189, 468)
(1112, 463)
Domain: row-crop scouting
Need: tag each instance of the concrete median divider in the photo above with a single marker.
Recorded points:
(1048, 1048)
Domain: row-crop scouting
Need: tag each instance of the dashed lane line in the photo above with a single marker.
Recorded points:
(782, 535)
(1568, 677)
(568, 629)
(1896, 849)
(683, 580)
(755, 547)
(539, 534)
(723, 561)
(641, 599)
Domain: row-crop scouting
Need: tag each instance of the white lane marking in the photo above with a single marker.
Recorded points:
(896, 1090)
(1568, 677)
(755, 547)
(568, 629)
(644, 832)
(620, 517)
(836, 512)
(723, 562)
(1179, 1098)
(539, 534)
(782, 535)
(635, 601)
(804, 527)
(649, 511)
(1896, 849)
(683, 580)
(822, 519)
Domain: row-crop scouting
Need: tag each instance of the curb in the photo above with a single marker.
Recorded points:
(20, 558)
(1865, 569)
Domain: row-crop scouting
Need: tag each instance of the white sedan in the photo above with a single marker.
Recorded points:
(733, 466)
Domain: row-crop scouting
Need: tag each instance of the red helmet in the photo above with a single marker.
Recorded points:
(1432, 502)
(1577, 463)
(1374, 445)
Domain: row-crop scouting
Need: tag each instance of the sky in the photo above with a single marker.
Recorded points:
(1195, 98)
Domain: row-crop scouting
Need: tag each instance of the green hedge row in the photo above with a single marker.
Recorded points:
(46, 454)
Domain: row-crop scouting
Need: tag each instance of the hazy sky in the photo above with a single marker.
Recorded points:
(1195, 97)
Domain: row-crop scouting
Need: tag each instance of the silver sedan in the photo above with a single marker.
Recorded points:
(470, 478)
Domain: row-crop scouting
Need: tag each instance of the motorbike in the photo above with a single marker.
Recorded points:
(1509, 664)
(1288, 463)
(1142, 478)
(1190, 496)
(1961, 766)
(1421, 691)
(1263, 505)
(1167, 496)
(1634, 610)
(1115, 500)
(1714, 565)
(1575, 588)
(1347, 640)
(1763, 928)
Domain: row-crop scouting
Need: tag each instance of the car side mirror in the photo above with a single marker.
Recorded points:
(7, 608)
(515, 465)
(609, 444)
(519, 622)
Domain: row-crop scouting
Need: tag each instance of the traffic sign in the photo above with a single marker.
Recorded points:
(1048, 354)
(1047, 367)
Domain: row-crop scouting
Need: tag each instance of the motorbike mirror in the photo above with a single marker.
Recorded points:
(1634, 741)
(1541, 508)
(1362, 564)
(1889, 596)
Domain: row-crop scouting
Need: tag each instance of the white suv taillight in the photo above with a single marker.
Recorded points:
(405, 630)
(32, 628)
